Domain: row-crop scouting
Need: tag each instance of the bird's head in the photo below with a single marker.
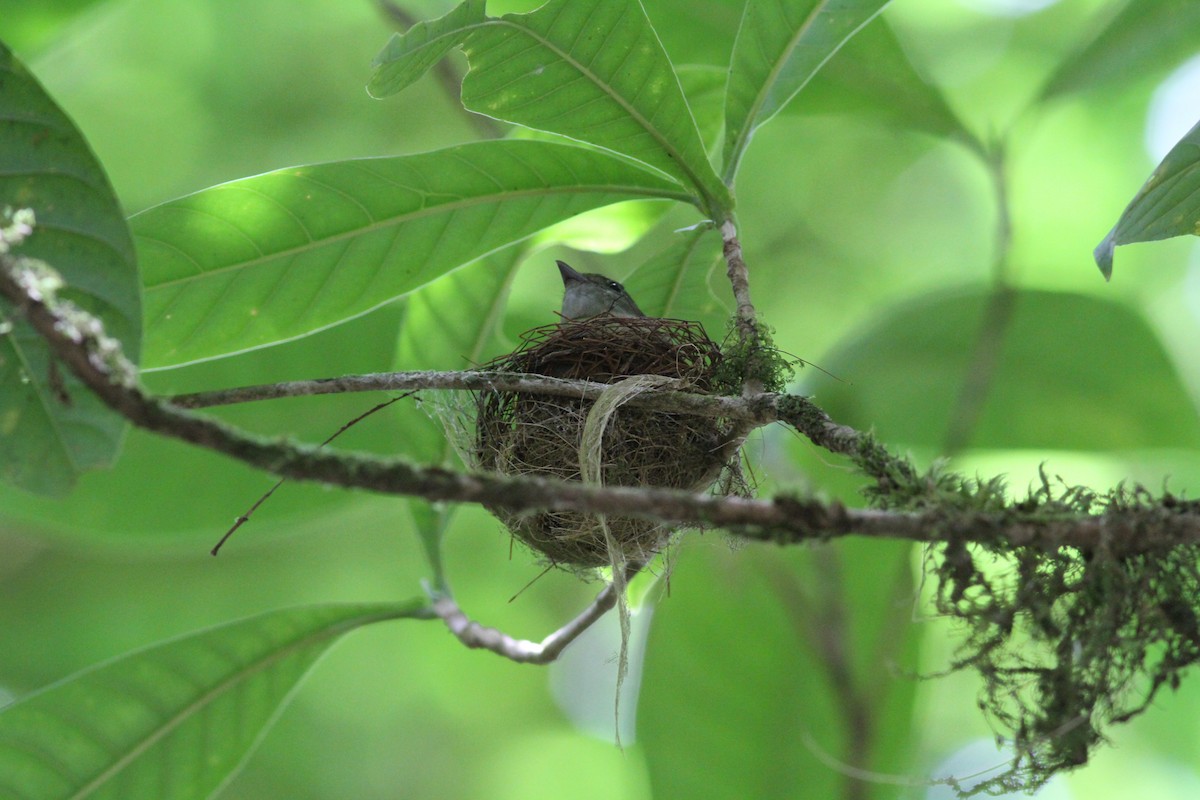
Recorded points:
(590, 294)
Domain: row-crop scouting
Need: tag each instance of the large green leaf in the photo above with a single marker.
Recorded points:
(176, 720)
(28, 27)
(1073, 372)
(449, 324)
(1167, 205)
(277, 256)
(766, 667)
(872, 76)
(1147, 38)
(51, 428)
(593, 70)
(780, 46)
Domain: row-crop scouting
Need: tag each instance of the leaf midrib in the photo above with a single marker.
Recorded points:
(382, 224)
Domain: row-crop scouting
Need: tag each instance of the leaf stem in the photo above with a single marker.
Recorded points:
(997, 315)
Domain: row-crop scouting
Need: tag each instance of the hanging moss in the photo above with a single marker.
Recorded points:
(1069, 640)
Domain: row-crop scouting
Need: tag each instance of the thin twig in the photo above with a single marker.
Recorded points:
(245, 517)
(760, 409)
(471, 380)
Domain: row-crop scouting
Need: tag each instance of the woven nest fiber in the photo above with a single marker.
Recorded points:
(525, 434)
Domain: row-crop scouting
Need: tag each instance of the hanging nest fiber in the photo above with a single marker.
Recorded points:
(526, 434)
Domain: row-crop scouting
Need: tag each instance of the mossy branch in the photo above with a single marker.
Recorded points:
(931, 506)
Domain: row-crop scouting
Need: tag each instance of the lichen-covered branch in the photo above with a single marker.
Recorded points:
(739, 280)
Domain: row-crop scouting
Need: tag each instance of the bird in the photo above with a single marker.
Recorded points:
(591, 294)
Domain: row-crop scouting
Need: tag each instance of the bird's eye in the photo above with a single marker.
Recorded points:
(616, 287)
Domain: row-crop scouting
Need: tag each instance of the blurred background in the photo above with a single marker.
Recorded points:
(876, 238)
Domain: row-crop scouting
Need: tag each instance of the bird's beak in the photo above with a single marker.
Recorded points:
(568, 273)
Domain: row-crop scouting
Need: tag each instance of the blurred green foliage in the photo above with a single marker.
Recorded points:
(871, 234)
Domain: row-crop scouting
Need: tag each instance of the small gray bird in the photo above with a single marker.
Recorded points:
(591, 294)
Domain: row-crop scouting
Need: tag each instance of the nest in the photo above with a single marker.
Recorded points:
(525, 434)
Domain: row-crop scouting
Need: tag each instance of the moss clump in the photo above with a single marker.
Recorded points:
(752, 359)
(1069, 640)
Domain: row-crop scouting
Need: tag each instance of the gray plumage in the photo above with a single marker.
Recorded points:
(590, 294)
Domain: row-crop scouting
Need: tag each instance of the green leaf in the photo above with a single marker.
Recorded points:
(176, 720)
(409, 55)
(1073, 372)
(765, 665)
(595, 71)
(873, 76)
(280, 255)
(610, 230)
(1167, 205)
(590, 70)
(449, 324)
(1146, 38)
(184, 511)
(675, 283)
(780, 46)
(704, 87)
(51, 428)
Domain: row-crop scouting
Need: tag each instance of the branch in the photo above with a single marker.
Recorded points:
(761, 409)
(750, 412)
(739, 277)
(887, 470)
(746, 318)
(469, 380)
(757, 410)
(523, 651)
(80, 342)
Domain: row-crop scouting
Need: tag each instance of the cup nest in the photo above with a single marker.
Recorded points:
(526, 434)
